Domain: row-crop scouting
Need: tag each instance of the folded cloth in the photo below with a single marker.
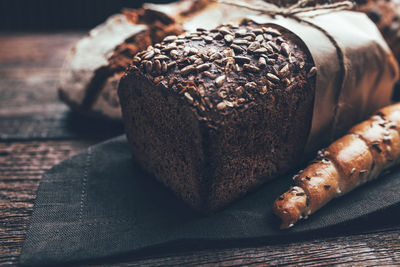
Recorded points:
(99, 203)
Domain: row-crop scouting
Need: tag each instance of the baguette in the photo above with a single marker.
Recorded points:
(358, 157)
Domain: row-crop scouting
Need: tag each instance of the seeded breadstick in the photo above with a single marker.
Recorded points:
(358, 157)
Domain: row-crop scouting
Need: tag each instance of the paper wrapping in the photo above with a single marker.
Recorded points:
(356, 70)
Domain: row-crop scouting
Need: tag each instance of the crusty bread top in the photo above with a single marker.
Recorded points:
(229, 68)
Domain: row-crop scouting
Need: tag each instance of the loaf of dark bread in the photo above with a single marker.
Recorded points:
(214, 114)
(91, 76)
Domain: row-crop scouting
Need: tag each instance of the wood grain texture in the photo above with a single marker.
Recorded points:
(21, 168)
(23, 163)
(37, 132)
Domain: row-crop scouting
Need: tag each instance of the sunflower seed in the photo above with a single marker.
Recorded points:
(220, 80)
(240, 32)
(189, 97)
(222, 93)
(311, 72)
(242, 59)
(158, 79)
(198, 61)
(136, 60)
(273, 77)
(225, 31)
(171, 65)
(237, 68)
(274, 46)
(262, 62)
(285, 49)
(251, 68)
(228, 52)
(268, 47)
(148, 55)
(228, 38)
(267, 36)
(253, 46)
(286, 81)
(157, 65)
(170, 38)
(271, 30)
(161, 57)
(229, 104)
(240, 42)
(237, 48)
(215, 56)
(209, 74)
(257, 31)
(188, 69)
(174, 54)
(203, 67)
(221, 105)
(186, 51)
(285, 71)
(260, 50)
(263, 90)
(218, 36)
(169, 48)
(208, 39)
(259, 38)
(164, 67)
(149, 66)
(250, 85)
(239, 90)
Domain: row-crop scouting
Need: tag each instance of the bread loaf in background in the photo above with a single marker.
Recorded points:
(89, 81)
(214, 114)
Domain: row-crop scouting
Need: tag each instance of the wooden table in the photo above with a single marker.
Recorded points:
(37, 131)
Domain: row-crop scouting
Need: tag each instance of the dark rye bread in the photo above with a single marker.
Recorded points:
(214, 114)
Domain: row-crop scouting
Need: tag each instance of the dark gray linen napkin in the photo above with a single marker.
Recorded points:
(99, 203)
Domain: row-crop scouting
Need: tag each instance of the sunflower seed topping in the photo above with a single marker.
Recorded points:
(285, 49)
(203, 67)
(237, 48)
(242, 59)
(262, 63)
(312, 72)
(285, 71)
(189, 97)
(220, 80)
(161, 57)
(273, 77)
(148, 55)
(221, 105)
(188, 69)
(170, 38)
(208, 39)
(228, 38)
(251, 68)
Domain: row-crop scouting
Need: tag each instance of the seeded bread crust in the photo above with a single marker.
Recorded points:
(214, 114)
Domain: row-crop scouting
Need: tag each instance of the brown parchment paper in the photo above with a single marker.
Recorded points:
(356, 70)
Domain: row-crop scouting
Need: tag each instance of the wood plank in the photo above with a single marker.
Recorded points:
(23, 163)
(21, 167)
(35, 50)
